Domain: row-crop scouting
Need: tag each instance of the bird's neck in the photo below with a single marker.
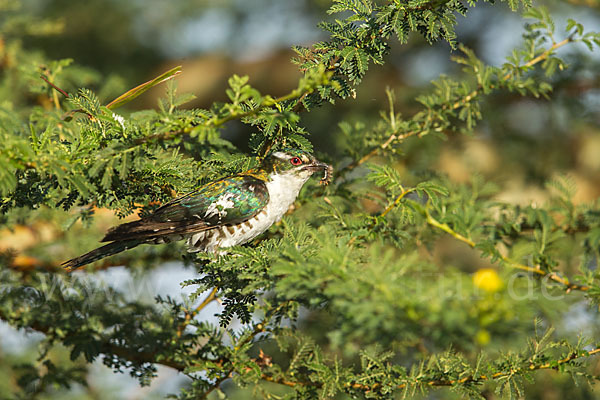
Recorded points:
(284, 188)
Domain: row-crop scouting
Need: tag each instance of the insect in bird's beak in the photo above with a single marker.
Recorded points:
(327, 172)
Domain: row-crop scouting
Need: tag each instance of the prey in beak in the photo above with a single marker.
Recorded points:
(326, 168)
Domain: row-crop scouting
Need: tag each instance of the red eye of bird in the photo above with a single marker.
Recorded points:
(295, 161)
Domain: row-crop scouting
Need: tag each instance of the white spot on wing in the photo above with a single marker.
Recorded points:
(220, 206)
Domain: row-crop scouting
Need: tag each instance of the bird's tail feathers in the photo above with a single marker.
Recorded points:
(146, 230)
(101, 252)
(127, 229)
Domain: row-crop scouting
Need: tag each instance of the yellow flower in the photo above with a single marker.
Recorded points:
(488, 280)
(483, 337)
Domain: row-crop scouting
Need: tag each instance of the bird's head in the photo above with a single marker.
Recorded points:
(295, 163)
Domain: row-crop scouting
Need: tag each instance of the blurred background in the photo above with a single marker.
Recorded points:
(122, 44)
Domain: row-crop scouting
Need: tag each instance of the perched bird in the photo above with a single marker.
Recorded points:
(224, 213)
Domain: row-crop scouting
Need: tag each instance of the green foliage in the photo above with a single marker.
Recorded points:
(388, 314)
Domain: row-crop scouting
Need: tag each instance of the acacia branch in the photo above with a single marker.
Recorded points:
(297, 94)
(106, 348)
(543, 56)
(216, 122)
(553, 365)
(513, 264)
(553, 276)
(190, 315)
(396, 201)
(258, 328)
(396, 137)
(217, 383)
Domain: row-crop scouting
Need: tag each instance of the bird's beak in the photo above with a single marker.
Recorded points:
(326, 168)
(317, 165)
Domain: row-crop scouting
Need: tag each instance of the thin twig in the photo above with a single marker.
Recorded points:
(509, 75)
(446, 228)
(396, 201)
(45, 79)
(534, 270)
(216, 384)
(190, 315)
(258, 328)
(392, 138)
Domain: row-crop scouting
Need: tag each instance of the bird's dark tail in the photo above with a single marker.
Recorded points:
(101, 252)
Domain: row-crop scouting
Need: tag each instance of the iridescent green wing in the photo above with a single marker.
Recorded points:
(227, 201)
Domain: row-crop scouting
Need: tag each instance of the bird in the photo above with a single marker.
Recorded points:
(226, 212)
